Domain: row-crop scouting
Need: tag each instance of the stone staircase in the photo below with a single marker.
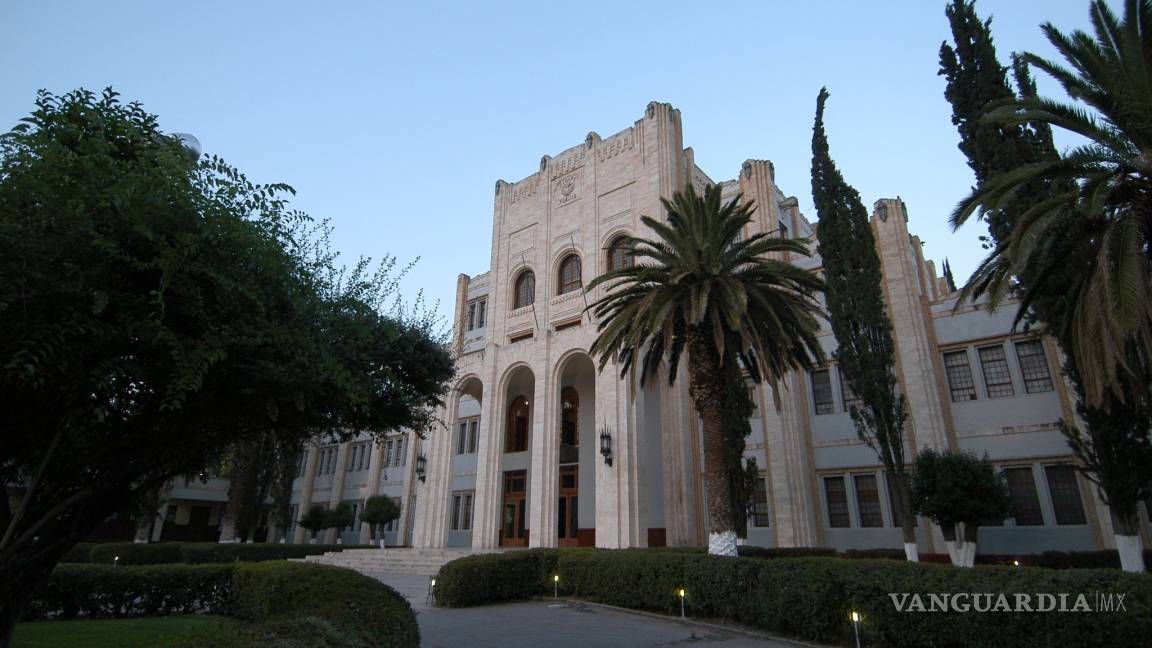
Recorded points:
(372, 562)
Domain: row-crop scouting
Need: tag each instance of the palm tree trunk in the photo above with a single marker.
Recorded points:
(707, 389)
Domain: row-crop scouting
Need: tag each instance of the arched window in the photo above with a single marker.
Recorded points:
(569, 274)
(569, 417)
(516, 436)
(525, 289)
(619, 254)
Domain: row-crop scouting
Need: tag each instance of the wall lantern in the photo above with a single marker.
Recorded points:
(421, 464)
(606, 444)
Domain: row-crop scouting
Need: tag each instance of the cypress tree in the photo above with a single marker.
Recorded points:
(855, 299)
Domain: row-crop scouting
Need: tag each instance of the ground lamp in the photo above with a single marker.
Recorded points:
(555, 586)
(431, 590)
(682, 593)
(421, 463)
(606, 444)
(855, 617)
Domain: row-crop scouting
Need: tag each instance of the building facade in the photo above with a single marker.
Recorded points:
(530, 413)
(540, 448)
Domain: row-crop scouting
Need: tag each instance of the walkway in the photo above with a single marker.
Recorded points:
(534, 624)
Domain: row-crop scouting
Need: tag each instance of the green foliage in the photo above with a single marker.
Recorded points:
(295, 601)
(379, 510)
(810, 598)
(81, 552)
(154, 311)
(291, 604)
(854, 289)
(1088, 240)
(700, 287)
(136, 553)
(105, 591)
(338, 517)
(953, 487)
(185, 631)
(315, 519)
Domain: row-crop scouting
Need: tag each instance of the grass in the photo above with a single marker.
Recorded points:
(153, 632)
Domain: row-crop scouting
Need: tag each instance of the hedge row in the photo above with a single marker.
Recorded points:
(811, 598)
(288, 604)
(161, 553)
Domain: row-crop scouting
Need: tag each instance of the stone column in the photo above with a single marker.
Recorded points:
(298, 535)
(486, 511)
(432, 498)
(794, 511)
(617, 491)
(680, 427)
(376, 463)
(544, 469)
(337, 495)
(407, 514)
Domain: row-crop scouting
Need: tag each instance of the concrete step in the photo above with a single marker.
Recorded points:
(373, 562)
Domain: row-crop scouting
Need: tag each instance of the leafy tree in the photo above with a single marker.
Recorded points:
(153, 312)
(379, 510)
(1077, 250)
(250, 475)
(865, 350)
(698, 287)
(339, 516)
(955, 489)
(315, 519)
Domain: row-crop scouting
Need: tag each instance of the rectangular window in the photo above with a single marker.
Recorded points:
(473, 434)
(822, 391)
(760, 517)
(1022, 493)
(1065, 494)
(1034, 366)
(388, 454)
(398, 460)
(462, 511)
(462, 439)
(837, 499)
(481, 307)
(868, 500)
(997, 380)
(471, 316)
(846, 393)
(355, 451)
(959, 374)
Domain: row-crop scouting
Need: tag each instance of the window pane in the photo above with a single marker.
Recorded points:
(1022, 493)
(1034, 366)
(455, 512)
(473, 433)
(463, 438)
(525, 289)
(959, 376)
(760, 517)
(1065, 494)
(996, 377)
(481, 309)
(471, 316)
(570, 274)
(822, 391)
(837, 498)
(399, 459)
(868, 501)
(850, 398)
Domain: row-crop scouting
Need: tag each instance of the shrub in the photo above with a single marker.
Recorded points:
(752, 551)
(104, 591)
(289, 604)
(810, 597)
(81, 553)
(136, 553)
(294, 601)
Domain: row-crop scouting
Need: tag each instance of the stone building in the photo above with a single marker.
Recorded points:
(542, 449)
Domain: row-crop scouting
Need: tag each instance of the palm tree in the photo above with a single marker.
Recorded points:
(700, 286)
(1092, 235)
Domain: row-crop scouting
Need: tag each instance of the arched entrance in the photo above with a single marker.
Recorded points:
(576, 454)
(516, 442)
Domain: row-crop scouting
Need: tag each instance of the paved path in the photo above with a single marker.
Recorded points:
(536, 624)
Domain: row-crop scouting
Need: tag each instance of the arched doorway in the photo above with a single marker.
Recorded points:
(516, 444)
(577, 454)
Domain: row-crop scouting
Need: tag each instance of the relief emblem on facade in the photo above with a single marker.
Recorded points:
(566, 189)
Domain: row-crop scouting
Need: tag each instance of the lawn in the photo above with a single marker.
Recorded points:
(153, 632)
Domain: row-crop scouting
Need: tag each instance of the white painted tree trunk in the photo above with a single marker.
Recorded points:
(722, 544)
(952, 552)
(911, 553)
(1131, 552)
(968, 554)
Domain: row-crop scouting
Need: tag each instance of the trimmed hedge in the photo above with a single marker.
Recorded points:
(288, 604)
(160, 553)
(811, 598)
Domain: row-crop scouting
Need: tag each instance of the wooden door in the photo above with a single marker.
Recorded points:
(513, 514)
(567, 521)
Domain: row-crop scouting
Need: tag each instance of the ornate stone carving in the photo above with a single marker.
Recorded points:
(544, 162)
(882, 211)
(566, 189)
(567, 164)
(525, 188)
(591, 139)
(615, 146)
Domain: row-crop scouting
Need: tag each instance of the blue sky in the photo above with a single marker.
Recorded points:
(395, 120)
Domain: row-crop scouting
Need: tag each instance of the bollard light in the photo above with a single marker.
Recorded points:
(116, 560)
(854, 616)
(682, 593)
(1015, 563)
(431, 600)
(555, 586)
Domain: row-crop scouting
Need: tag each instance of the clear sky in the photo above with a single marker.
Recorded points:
(395, 120)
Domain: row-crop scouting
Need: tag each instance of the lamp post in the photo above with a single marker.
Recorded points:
(855, 617)
(555, 587)
(682, 594)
